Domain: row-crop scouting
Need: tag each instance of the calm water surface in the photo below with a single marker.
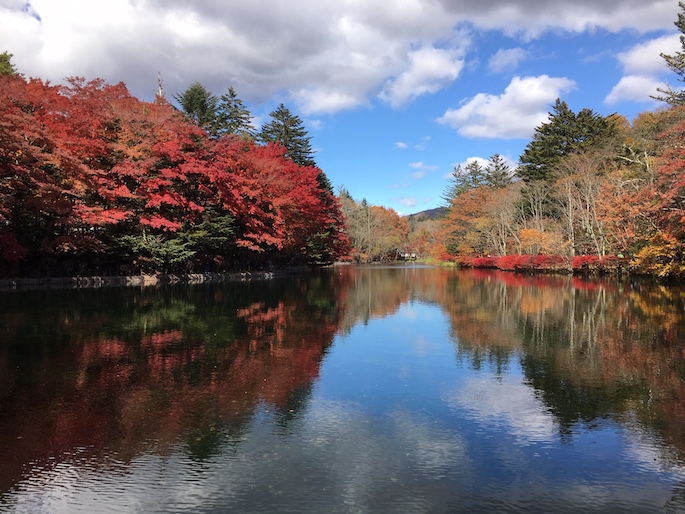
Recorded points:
(348, 390)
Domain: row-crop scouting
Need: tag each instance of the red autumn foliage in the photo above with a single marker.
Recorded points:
(516, 262)
(89, 159)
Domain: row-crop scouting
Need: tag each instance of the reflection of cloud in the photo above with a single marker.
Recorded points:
(506, 402)
(650, 452)
(432, 450)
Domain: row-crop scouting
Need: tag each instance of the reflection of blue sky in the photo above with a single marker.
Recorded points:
(394, 424)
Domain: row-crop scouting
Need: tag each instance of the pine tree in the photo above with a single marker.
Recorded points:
(564, 133)
(232, 117)
(498, 172)
(6, 66)
(463, 179)
(199, 105)
(287, 129)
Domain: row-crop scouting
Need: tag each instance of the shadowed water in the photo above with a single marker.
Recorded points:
(405, 389)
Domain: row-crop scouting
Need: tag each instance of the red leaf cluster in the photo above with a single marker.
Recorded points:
(90, 158)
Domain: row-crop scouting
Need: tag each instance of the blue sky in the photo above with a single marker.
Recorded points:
(393, 93)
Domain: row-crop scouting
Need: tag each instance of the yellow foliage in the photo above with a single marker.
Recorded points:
(535, 241)
(664, 256)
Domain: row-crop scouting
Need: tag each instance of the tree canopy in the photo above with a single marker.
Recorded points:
(93, 180)
(232, 117)
(200, 105)
(288, 130)
(6, 66)
(564, 133)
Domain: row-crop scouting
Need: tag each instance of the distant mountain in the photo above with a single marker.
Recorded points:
(430, 214)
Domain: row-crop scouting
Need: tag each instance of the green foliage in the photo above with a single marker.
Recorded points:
(199, 105)
(215, 234)
(495, 174)
(152, 252)
(232, 117)
(675, 63)
(463, 179)
(6, 66)
(287, 129)
(564, 133)
(499, 174)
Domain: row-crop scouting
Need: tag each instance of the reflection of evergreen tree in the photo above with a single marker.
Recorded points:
(568, 402)
(297, 400)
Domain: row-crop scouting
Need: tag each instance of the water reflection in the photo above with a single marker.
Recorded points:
(352, 389)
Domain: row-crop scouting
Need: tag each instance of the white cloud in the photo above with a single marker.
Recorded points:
(642, 66)
(325, 56)
(645, 58)
(634, 88)
(401, 145)
(506, 59)
(322, 101)
(419, 165)
(409, 201)
(429, 70)
(514, 114)
(315, 124)
(531, 18)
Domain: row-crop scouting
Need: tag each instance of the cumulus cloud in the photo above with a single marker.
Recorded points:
(429, 70)
(635, 88)
(506, 59)
(401, 145)
(531, 18)
(644, 59)
(325, 57)
(514, 114)
(642, 66)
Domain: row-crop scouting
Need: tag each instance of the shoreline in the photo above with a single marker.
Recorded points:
(11, 284)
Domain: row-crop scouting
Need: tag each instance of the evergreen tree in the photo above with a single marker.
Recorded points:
(6, 66)
(563, 134)
(232, 117)
(287, 129)
(200, 105)
(675, 63)
(463, 179)
(499, 173)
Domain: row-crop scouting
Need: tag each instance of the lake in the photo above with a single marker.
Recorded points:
(351, 390)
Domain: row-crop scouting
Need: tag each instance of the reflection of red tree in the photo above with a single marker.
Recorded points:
(121, 395)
